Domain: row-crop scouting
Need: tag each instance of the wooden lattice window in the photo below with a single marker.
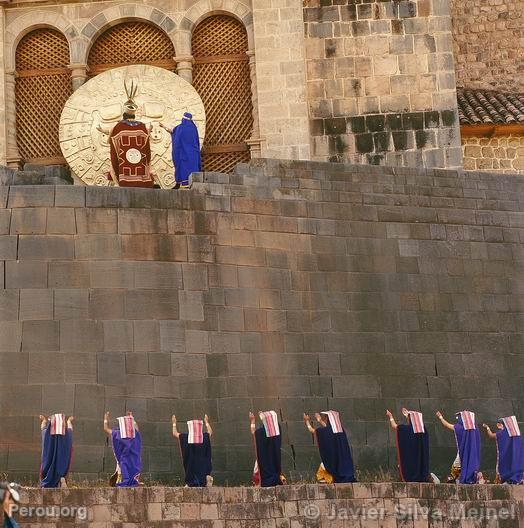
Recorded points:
(221, 77)
(43, 86)
(131, 43)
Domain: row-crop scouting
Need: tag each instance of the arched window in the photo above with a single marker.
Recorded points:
(43, 86)
(131, 43)
(221, 77)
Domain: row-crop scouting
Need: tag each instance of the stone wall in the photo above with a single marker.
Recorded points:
(488, 41)
(363, 505)
(497, 154)
(381, 84)
(291, 286)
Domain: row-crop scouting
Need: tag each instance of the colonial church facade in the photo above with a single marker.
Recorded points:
(434, 83)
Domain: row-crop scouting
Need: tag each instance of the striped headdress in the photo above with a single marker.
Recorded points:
(270, 421)
(334, 420)
(127, 426)
(511, 425)
(417, 422)
(468, 420)
(196, 432)
(58, 424)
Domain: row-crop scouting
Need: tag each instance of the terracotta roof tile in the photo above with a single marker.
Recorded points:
(486, 107)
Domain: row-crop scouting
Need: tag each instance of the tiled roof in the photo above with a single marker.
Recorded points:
(485, 107)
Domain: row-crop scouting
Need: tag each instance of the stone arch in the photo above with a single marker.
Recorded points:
(23, 25)
(203, 9)
(115, 15)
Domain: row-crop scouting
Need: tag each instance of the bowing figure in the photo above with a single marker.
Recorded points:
(510, 454)
(195, 447)
(127, 448)
(335, 453)
(57, 450)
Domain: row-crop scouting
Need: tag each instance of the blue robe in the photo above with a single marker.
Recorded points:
(9, 522)
(413, 454)
(196, 459)
(335, 454)
(56, 457)
(269, 458)
(128, 455)
(186, 151)
(510, 456)
(468, 444)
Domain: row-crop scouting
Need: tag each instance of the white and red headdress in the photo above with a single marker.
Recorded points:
(511, 425)
(417, 421)
(334, 421)
(468, 420)
(195, 431)
(58, 424)
(270, 421)
(127, 426)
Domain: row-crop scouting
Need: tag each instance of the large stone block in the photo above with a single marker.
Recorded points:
(157, 304)
(50, 247)
(28, 221)
(36, 304)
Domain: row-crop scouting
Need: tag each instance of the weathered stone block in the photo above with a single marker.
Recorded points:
(37, 304)
(28, 221)
(31, 196)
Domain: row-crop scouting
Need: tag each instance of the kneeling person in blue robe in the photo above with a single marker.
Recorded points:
(333, 445)
(412, 447)
(510, 451)
(466, 466)
(186, 150)
(57, 450)
(268, 458)
(195, 447)
(127, 448)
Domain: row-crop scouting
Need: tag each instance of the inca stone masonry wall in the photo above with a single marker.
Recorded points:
(363, 505)
(381, 83)
(497, 154)
(292, 286)
(488, 41)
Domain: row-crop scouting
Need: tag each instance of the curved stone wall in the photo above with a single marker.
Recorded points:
(288, 285)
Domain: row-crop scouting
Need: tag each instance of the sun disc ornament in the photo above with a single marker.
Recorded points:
(162, 97)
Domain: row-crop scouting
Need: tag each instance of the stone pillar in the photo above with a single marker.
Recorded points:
(254, 142)
(13, 156)
(281, 79)
(184, 67)
(78, 75)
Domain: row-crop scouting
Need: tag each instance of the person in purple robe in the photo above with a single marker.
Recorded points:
(268, 457)
(57, 450)
(186, 150)
(127, 448)
(412, 447)
(466, 466)
(510, 453)
(195, 447)
(333, 445)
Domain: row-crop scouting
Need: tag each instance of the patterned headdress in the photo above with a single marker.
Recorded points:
(416, 420)
(334, 420)
(468, 420)
(130, 107)
(127, 426)
(196, 431)
(270, 421)
(58, 424)
(511, 425)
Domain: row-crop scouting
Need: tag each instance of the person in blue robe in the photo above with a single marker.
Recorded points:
(412, 450)
(128, 455)
(196, 456)
(510, 454)
(466, 466)
(268, 465)
(57, 451)
(335, 453)
(186, 150)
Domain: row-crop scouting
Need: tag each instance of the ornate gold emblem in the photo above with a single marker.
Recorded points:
(162, 97)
